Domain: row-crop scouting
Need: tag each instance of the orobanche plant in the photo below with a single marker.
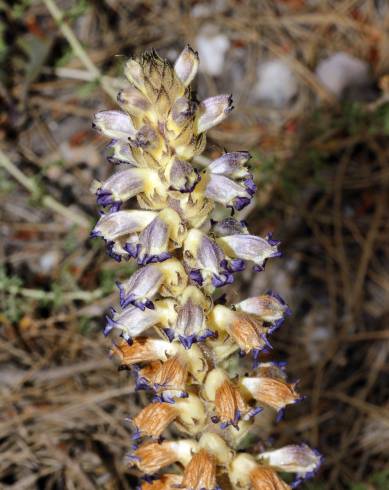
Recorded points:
(180, 341)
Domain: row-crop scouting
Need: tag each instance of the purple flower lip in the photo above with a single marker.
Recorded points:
(170, 334)
(95, 234)
(241, 202)
(222, 279)
(141, 384)
(266, 340)
(133, 250)
(111, 253)
(233, 422)
(136, 435)
(271, 241)
(152, 259)
(163, 397)
(132, 458)
(280, 415)
(131, 299)
(276, 325)
(254, 412)
(208, 334)
(104, 198)
(188, 340)
(111, 324)
(195, 275)
(234, 265)
(250, 186)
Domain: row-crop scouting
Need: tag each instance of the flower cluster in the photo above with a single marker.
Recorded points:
(175, 337)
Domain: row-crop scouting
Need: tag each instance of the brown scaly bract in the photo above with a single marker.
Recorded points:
(184, 256)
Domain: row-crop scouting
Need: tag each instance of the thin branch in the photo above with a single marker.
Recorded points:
(78, 50)
(39, 294)
(74, 216)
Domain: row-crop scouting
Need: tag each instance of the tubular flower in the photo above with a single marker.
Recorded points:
(157, 210)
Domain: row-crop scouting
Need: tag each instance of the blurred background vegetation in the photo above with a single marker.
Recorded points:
(310, 80)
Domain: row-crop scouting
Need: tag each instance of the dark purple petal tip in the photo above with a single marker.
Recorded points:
(170, 334)
(241, 202)
(271, 241)
(250, 186)
(132, 249)
(188, 341)
(222, 280)
(196, 276)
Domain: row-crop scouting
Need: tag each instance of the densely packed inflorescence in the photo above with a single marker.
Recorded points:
(176, 338)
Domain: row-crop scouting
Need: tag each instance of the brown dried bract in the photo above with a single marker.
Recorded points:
(246, 332)
(154, 418)
(153, 456)
(229, 403)
(275, 393)
(200, 474)
(266, 479)
(142, 350)
(169, 375)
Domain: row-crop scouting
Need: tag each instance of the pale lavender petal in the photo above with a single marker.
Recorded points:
(229, 226)
(248, 247)
(183, 176)
(269, 307)
(186, 65)
(121, 186)
(134, 321)
(154, 242)
(215, 110)
(119, 151)
(190, 319)
(227, 192)
(183, 109)
(141, 287)
(114, 124)
(115, 225)
(231, 165)
(300, 459)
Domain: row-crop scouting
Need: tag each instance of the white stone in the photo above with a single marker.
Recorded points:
(276, 84)
(212, 47)
(340, 71)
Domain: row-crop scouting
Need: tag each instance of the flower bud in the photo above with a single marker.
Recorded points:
(133, 101)
(213, 111)
(186, 65)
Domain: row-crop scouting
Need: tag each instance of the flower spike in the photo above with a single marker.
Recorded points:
(157, 211)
